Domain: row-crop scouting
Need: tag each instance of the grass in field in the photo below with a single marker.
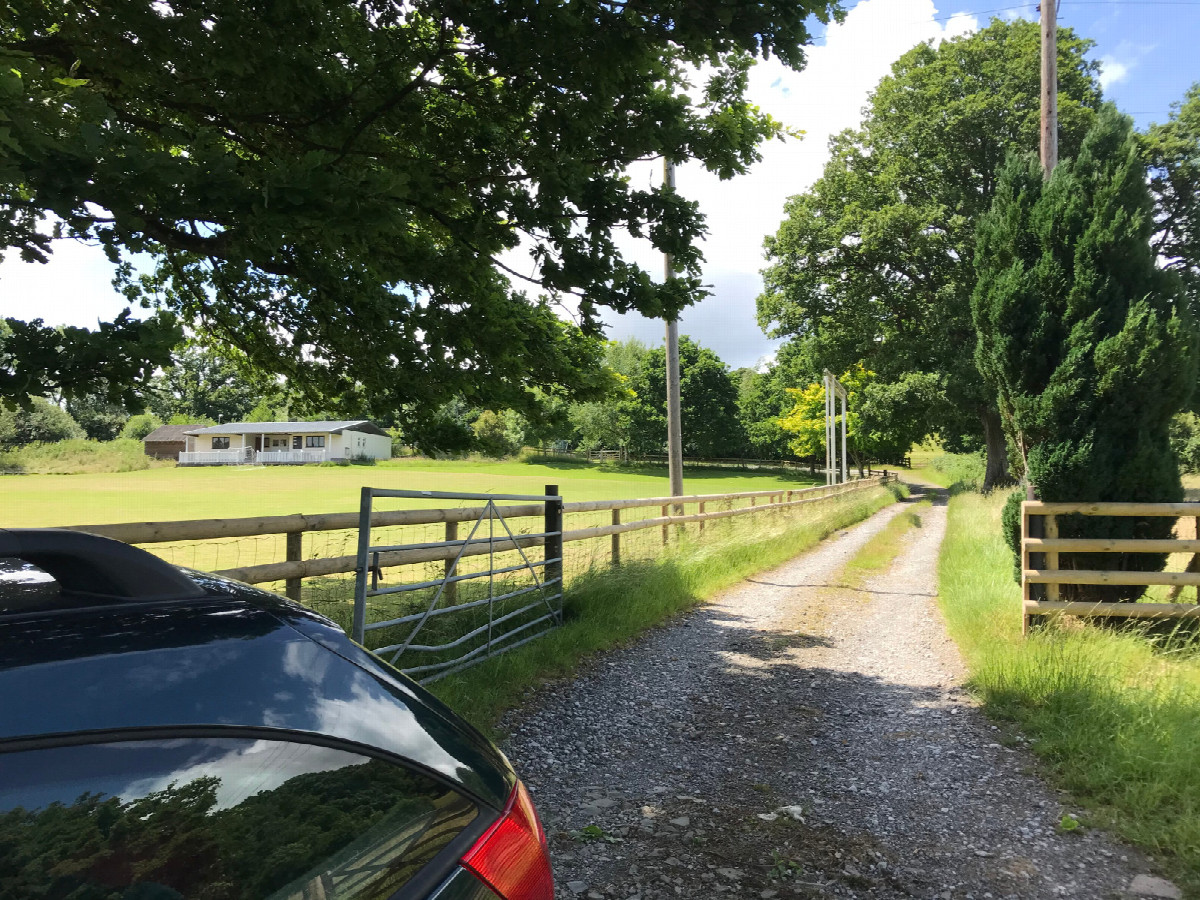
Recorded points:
(956, 471)
(166, 494)
(78, 457)
(1114, 712)
(879, 552)
(607, 608)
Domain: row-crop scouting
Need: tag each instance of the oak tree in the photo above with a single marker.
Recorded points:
(874, 263)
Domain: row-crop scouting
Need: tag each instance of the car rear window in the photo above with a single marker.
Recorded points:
(220, 819)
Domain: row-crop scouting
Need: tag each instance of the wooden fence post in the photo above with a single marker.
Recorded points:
(295, 553)
(665, 528)
(1051, 531)
(450, 590)
(702, 513)
(616, 539)
(1024, 566)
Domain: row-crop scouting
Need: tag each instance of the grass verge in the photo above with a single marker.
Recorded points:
(879, 552)
(1114, 713)
(78, 457)
(607, 608)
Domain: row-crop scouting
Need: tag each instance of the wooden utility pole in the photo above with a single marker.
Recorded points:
(674, 428)
(1049, 142)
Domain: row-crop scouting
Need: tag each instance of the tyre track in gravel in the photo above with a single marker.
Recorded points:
(796, 738)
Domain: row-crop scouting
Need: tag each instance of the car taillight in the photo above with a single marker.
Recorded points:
(511, 857)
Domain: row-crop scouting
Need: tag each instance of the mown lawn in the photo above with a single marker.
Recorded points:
(234, 491)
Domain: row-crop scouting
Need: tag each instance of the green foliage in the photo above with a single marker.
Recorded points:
(214, 383)
(497, 434)
(874, 263)
(37, 420)
(1172, 154)
(329, 186)
(883, 420)
(1083, 338)
(607, 423)
(137, 427)
(115, 362)
(100, 418)
(708, 404)
(1185, 440)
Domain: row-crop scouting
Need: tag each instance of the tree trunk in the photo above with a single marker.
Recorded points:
(996, 475)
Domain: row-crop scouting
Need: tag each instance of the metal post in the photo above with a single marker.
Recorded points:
(828, 449)
(295, 553)
(554, 542)
(1049, 124)
(359, 625)
(845, 471)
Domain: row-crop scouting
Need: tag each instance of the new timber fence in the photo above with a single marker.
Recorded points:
(1042, 575)
(421, 562)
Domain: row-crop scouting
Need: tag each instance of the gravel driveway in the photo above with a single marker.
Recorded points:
(797, 738)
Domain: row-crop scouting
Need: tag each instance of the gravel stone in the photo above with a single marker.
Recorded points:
(816, 740)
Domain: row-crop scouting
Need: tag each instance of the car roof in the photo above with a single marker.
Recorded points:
(230, 659)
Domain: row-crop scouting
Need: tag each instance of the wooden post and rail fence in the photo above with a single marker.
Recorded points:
(1041, 544)
(295, 567)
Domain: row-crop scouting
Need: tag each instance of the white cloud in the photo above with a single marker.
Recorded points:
(73, 288)
(1112, 71)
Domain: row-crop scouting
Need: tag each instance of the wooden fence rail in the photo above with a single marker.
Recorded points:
(295, 567)
(1049, 545)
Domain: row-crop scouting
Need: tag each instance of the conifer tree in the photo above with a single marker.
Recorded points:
(1084, 339)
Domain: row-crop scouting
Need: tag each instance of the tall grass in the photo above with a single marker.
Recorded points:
(75, 457)
(957, 471)
(608, 607)
(1114, 712)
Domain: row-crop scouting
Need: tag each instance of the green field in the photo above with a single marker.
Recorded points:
(234, 492)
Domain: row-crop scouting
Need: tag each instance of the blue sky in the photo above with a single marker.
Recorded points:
(1151, 54)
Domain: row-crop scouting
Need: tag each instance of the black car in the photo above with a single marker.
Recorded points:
(169, 734)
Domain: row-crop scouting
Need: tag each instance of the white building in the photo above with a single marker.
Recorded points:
(268, 443)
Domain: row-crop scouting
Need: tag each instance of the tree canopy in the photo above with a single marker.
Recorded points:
(1172, 154)
(1086, 342)
(708, 404)
(883, 420)
(331, 187)
(874, 263)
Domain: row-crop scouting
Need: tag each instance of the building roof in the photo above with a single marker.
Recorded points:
(290, 427)
(171, 432)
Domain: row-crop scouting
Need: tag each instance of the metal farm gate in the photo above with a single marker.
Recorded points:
(509, 622)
